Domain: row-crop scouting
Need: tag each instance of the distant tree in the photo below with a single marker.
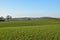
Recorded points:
(29, 18)
(8, 17)
(2, 18)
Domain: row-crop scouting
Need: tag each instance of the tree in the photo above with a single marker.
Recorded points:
(2, 18)
(8, 17)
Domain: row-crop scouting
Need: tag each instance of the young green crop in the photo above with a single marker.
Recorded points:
(44, 29)
(46, 32)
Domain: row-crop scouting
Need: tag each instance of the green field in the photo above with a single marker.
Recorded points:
(43, 29)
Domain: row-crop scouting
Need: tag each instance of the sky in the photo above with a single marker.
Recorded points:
(30, 8)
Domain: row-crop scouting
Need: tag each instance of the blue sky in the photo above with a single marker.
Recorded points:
(30, 8)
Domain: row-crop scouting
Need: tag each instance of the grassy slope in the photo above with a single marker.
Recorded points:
(44, 29)
(29, 23)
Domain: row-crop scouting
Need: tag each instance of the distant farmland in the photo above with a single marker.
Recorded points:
(42, 29)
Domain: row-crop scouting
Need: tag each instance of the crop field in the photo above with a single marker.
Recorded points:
(43, 29)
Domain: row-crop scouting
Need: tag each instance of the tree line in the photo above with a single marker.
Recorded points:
(8, 17)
